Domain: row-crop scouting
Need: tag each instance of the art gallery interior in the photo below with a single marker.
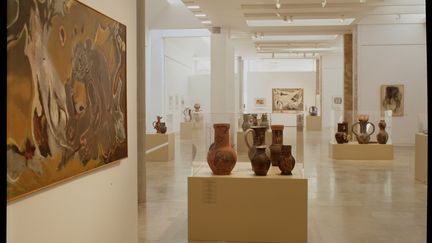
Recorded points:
(332, 94)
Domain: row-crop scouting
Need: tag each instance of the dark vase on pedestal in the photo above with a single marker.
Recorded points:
(260, 161)
(276, 146)
(363, 136)
(258, 133)
(163, 128)
(382, 135)
(287, 161)
(221, 157)
(342, 133)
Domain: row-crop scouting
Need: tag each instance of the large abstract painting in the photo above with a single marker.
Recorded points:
(392, 98)
(287, 100)
(66, 92)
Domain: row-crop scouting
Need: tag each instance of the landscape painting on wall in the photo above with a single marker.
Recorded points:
(66, 93)
(392, 98)
(287, 100)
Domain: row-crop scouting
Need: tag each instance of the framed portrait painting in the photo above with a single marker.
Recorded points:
(66, 93)
(392, 98)
(287, 100)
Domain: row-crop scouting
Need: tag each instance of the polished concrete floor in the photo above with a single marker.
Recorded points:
(349, 201)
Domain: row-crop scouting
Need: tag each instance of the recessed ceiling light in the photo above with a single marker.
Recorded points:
(298, 37)
(206, 22)
(193, 7)
(298, 22)
(200, 15)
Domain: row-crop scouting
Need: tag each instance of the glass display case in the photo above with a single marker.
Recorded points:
(204, 132)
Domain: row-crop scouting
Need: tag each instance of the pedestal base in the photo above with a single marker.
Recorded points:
(186, 130)
(313, 123)
(160, 147)
(355, 151)
(241, 145)
(421, 157)
(243, 207)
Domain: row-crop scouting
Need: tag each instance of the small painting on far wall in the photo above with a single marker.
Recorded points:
(287, 100)
(392, 98)
(260, 101)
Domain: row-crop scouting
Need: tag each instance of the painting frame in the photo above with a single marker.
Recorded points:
(392, 97)
(287, 100)
(260, 102)
(52, 158)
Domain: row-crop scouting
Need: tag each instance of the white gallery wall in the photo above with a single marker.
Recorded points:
(178, 66)
(101, 206)
(199, 90)
(259, 84)
(173, 57)
(393, 54)
(332, 86)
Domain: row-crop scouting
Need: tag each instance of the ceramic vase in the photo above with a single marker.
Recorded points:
(163, 128)
(382, 135)
(246, 122)
(197, 107)
(287, 161)
(276, 146)
(342, 134)
(258, 133)
(260, 161)
(363, 136)
(264, 121)
(187, 113)
(157, 124)
(221, 157)
(254, 120)
(313, 111)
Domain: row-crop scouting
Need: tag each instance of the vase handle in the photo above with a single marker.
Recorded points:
(245, 137)
(154, 126)
(352, 128)
(373, 126)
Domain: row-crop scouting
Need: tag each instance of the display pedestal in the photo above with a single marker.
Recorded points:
(421, 157)
(247, 208)
(355, 151)
(313, 123)
(160, 147)
(186, 130)
(241, 145)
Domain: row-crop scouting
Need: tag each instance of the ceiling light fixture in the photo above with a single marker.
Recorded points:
(206, 22)
(200, 15)
(193, 7)
(323, 3)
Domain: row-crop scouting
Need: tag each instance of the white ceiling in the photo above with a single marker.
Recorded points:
(234, 15)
